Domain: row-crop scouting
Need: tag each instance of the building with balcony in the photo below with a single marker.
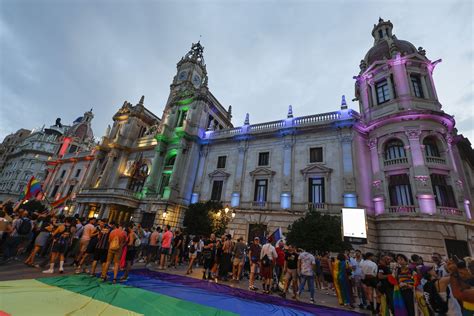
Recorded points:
(400, 158)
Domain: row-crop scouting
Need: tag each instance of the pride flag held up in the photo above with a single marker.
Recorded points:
(32, 188)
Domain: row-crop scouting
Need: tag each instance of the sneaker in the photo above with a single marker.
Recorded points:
(61, 271)
(78, 271)
(312, 300)
(253, 288)
(141, 260)
(282, 295)
(49, 271)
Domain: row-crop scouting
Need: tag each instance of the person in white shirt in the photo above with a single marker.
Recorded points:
(268, 257)
(88, 232)
(369, 271)
(355, 261)
(306, 265)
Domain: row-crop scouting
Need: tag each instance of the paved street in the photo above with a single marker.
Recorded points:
(16, 270)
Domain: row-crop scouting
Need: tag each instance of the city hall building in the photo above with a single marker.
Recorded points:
(399, 157)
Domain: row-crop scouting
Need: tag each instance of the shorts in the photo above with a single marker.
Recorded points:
(91, 247)
(253, 267)
(291, 274)
(327, 277)
(100, 255)
(42, 239)
(83, 245)
(114, 255)
(371, 282)
(165, 251)
(152, 250)
(266, 272)
(130, 256)
(176, 252)
(60, 245)
(238, 261)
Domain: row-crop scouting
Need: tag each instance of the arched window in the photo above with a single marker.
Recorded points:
(431, 148)
(394, 149)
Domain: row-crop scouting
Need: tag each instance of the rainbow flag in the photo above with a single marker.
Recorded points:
(32, 188)
(59, 202)
(145, 293)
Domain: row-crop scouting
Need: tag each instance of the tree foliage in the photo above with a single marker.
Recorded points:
(201, 219)
(317, 232)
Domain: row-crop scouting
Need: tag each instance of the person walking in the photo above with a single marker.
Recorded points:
(101, 249)
(193, 247)
(208, 253)
(62, 240)
(117, 240)
(239, 259)
(268, 256)
(165, 246)
(306, 265)
(254, 253)
(290, 272)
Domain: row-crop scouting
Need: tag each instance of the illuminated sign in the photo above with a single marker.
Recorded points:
(354, 225)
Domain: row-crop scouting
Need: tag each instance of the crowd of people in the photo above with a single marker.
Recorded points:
(384, 283)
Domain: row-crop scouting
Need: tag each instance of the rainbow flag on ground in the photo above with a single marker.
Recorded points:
(32, 188)
(145, 293)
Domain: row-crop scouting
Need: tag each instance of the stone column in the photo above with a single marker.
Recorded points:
(108, 167)
(102, 210)
(239, 169)
(415, 147)
(176, 173)
(377, 181)
(401, 81)
(390, 87)
(285, 196)
(199, 175)
(91, 171)
(151, 185)
(374, 93)
(426, 94)
(350, 195)
(433, 89)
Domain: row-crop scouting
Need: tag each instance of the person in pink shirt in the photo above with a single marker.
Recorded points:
(165, 246)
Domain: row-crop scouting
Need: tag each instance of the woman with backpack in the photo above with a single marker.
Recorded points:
(438, 295)
(61, 241)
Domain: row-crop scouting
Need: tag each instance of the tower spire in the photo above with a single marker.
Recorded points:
(290, 112)
(247, 121)
(343, 103)
(142, 100)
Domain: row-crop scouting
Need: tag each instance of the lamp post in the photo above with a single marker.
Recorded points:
(165, 213)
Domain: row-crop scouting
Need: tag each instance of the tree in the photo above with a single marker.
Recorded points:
(317, 232)
(201, 219)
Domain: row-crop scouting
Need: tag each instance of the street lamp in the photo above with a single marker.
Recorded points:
(233, 213)
(226, 209)
(219, 213)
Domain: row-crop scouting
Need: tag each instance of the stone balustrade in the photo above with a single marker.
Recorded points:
(403, 209)
(442, 210)
(302, 121)
(396, 161)
(109, 192)
(436, 160)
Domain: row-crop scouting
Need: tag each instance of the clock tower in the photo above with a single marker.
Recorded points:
(190, 111)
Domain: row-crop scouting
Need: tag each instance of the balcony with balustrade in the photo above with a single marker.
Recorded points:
(109, 195)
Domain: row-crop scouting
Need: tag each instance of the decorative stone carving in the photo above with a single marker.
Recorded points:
(349, 184)
(422, 180)
(459, 184)
(421, 51)
(413, 133)
(372, 143)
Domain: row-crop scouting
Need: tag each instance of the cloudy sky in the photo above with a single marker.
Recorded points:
(60, 58)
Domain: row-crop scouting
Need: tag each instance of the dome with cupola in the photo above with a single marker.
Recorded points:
(387, 45)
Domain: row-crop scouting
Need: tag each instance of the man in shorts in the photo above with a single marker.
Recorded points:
(165, 246)
(239, 259)
(117, 239)
(254, 255)
(290, 270)
(101, 249)
(369, 271)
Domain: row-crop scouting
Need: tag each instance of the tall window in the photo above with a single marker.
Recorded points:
(400, 190)
(444, 195)
(431, 149)
(394, 149)
(260, 190)
(383, 93)
(165, 180)
(316, 190)
(71, 188)
(316, 154)
(170, 161)
(221, 160)
(63, 173)
(417, 88)
(217, 190)
(263, 158)
(78, 172)
(55, 190)
(181, 117)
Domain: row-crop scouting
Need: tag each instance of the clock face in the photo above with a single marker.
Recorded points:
(196, 80)
(182, 75)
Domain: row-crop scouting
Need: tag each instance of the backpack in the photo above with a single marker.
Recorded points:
(192, 249)
(25, 227)
(266, 262)
(137, 242)
(114, 244)
(434, 300)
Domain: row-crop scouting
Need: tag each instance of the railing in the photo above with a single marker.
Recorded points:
(268, 125)
(311, 119)
(109, 192)
(299, 121)
(437, 160)
(443, 210)
(396, 161)
(316, 206)
(259, 204)
(402, 209)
